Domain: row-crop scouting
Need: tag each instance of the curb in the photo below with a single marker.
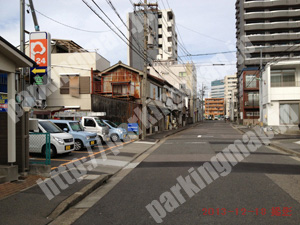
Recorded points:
(289, 151)
(89, 188)
(285, 150)
(85, 191)
(78, 196)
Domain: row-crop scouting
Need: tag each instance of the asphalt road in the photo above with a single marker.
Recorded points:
(264, 180)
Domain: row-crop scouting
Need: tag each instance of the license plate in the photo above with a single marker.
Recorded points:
(92, 143)
(68, 147)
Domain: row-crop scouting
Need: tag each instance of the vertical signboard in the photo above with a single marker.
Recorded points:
(40, 52)
(3, 102)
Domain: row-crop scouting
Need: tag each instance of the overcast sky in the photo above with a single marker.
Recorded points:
(204, 26)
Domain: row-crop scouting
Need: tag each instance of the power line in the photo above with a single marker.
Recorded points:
(69, 26)
(187, 28)
(110, 27)
(205, 54)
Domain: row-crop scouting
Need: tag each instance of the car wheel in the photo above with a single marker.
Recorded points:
(78, 145)
(114, 138)
(53, 151)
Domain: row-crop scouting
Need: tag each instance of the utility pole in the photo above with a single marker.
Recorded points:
(36, 25)
(22, 40)
(261, 90)
(144, 81)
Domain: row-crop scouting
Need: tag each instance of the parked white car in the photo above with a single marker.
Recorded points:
(61, 142)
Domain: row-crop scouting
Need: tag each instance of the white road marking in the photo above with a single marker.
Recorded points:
(108, 162)
(200, 136)
(195, 142)
(144, 142)
(297, 142)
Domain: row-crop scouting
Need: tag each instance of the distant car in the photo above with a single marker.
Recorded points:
(82, 138)
(61, 142)
(115, 133)
(95, 124)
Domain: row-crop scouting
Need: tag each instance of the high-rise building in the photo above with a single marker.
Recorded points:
(162, 39)
(230, 84)
(217, 89)
(268, 26)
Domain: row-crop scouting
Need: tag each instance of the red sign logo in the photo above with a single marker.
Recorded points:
(39, 51)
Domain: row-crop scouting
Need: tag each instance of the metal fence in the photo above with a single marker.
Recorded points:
(40, 143)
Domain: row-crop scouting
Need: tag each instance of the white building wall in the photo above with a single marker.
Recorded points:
(73, 63)
(273, 96)
(230, 85)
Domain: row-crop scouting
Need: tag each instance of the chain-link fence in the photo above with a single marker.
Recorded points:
(40, 143)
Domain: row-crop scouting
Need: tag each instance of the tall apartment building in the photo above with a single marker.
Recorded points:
(162, 41)
(214, 107)
(217, 89)
(272, 27)
(230, 85)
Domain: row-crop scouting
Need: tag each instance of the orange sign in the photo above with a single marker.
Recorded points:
(39, 52)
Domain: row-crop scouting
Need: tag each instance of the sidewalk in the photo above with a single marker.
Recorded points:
(289, 143)
(31, 205)
(163, 134)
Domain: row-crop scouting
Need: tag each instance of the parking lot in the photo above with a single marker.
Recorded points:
(64, 159)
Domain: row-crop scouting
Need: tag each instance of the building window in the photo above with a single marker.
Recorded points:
(155, 92)
(253, 99)
(170, 16)
(169, 39)
(74, 85)
(159, 25)
(169, 49)
(182, 74)
(289, 114)
(170, 29)
(3, 83)
(120, 89)
(160, 36)
(283, 78)
(159, 15)
(251, 81)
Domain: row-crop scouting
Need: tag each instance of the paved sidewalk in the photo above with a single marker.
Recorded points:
(289, 143)
(34, 207)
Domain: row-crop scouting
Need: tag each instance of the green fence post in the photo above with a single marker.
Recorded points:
(48, 149)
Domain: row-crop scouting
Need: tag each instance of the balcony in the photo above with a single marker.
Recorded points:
(270, 49)
(270, 26)
(272, 14)
(273, 37)
(267, 4)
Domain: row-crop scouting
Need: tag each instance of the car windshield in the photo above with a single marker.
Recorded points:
(100, 123)
(111, 124)
(50, 127)
(76, 126)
